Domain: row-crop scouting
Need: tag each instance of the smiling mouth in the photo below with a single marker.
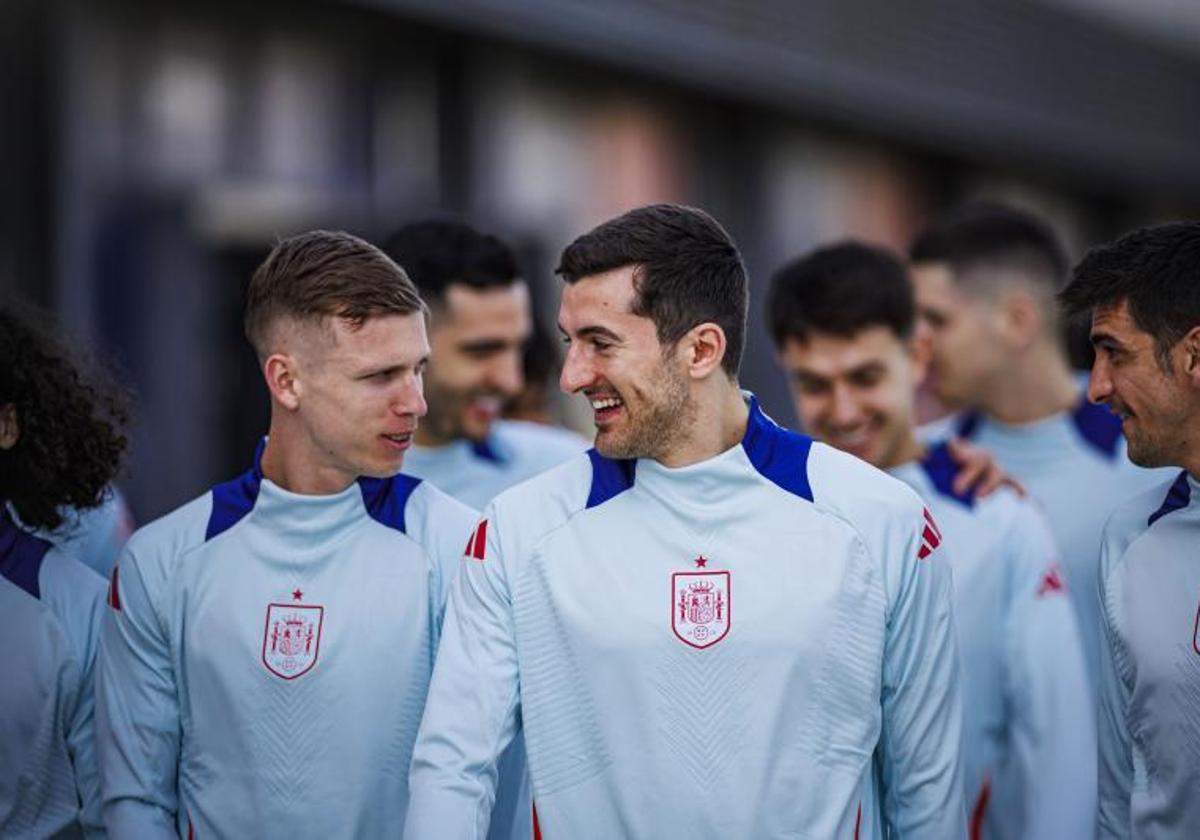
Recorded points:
(402, 440)
(605, 408)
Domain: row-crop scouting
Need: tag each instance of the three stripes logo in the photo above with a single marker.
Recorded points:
(931, 537)
(477, 546)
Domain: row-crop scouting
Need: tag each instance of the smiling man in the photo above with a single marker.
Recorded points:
(844, 322)
(268, 646)
(1144, 295)
(710, 626)
(985, 278)
(480, 322)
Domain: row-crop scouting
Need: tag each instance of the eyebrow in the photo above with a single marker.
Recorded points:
(594, 330)
(1099, 338)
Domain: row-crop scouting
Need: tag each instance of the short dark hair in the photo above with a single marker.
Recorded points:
(438, 253)
(986, 233)
(840, 290)
(1155, 269)
(70, 419)
(323, 274)
(688, 271)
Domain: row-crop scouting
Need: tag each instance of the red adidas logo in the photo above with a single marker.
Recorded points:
(931, 537)
(1051, 582)
(477, 545)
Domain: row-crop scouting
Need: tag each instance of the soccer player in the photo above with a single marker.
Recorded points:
(1144, 294)
(710, 626)
(60, 445)
(266, 657)
(480, 322)
(985, 278)
(844, 322)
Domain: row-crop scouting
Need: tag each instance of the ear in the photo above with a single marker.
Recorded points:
(10, 429)
(1023, 321)
(703, 349)
(280, 370)
(1189, 348)
(920, 353)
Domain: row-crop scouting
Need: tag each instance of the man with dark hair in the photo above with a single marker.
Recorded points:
(61, 444)
(1143, 292)
(844, 322)
(986, 278)
(480, 322)
(269, 645)
(708, 625)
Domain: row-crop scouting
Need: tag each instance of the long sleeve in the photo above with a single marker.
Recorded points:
(471, 712)
(137, 711)
(1053, 731)
(1115, 745)
(81, 734)
(920, 745)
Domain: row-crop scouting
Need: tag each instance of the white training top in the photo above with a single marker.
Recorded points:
(1029, 734)
(51, 606)
(475, 472)
(265, 662)
(758, 645)
(1150, 666)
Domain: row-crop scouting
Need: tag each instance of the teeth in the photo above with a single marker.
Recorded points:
(611, 402)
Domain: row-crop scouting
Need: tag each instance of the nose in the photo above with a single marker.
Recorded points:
(410, 398)
(576, 372)
(1100, 387)
(843, 409)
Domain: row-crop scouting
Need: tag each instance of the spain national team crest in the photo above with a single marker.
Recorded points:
(292, 639)
(700, 607)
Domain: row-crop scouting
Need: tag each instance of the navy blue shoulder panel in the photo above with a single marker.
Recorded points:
(1098, 426)
(779, 455)
(1177, 498)
(234, 499)
(387, 498)
(941, 469)
(967, 424)
(487, 450)
(21, 554)
(610, 477)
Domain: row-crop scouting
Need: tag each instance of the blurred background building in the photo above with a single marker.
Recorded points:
(152, 152)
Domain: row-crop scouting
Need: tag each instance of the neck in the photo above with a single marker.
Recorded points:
(290, 461)
(1038, 384)
(717, 422)
(909, 450)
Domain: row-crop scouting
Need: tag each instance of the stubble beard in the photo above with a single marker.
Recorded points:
(664, 418)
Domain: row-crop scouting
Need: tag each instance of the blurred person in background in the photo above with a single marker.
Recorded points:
(986, 277)
(708, 625)
(1143, 292)
(61, 444)
(268, 647)
(844, 323)
(479, 324)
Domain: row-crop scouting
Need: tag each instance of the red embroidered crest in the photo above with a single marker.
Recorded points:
(292, 639)
(477, 545)
(700, 605)
(1052, 582)
(931, 537)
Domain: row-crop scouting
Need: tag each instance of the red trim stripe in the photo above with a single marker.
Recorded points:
(858, 821)
(979, 810)
(191, 831)
(477, 545)
(114, 593)
(537, 829)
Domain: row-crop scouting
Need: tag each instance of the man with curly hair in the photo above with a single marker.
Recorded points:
(60, 445)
